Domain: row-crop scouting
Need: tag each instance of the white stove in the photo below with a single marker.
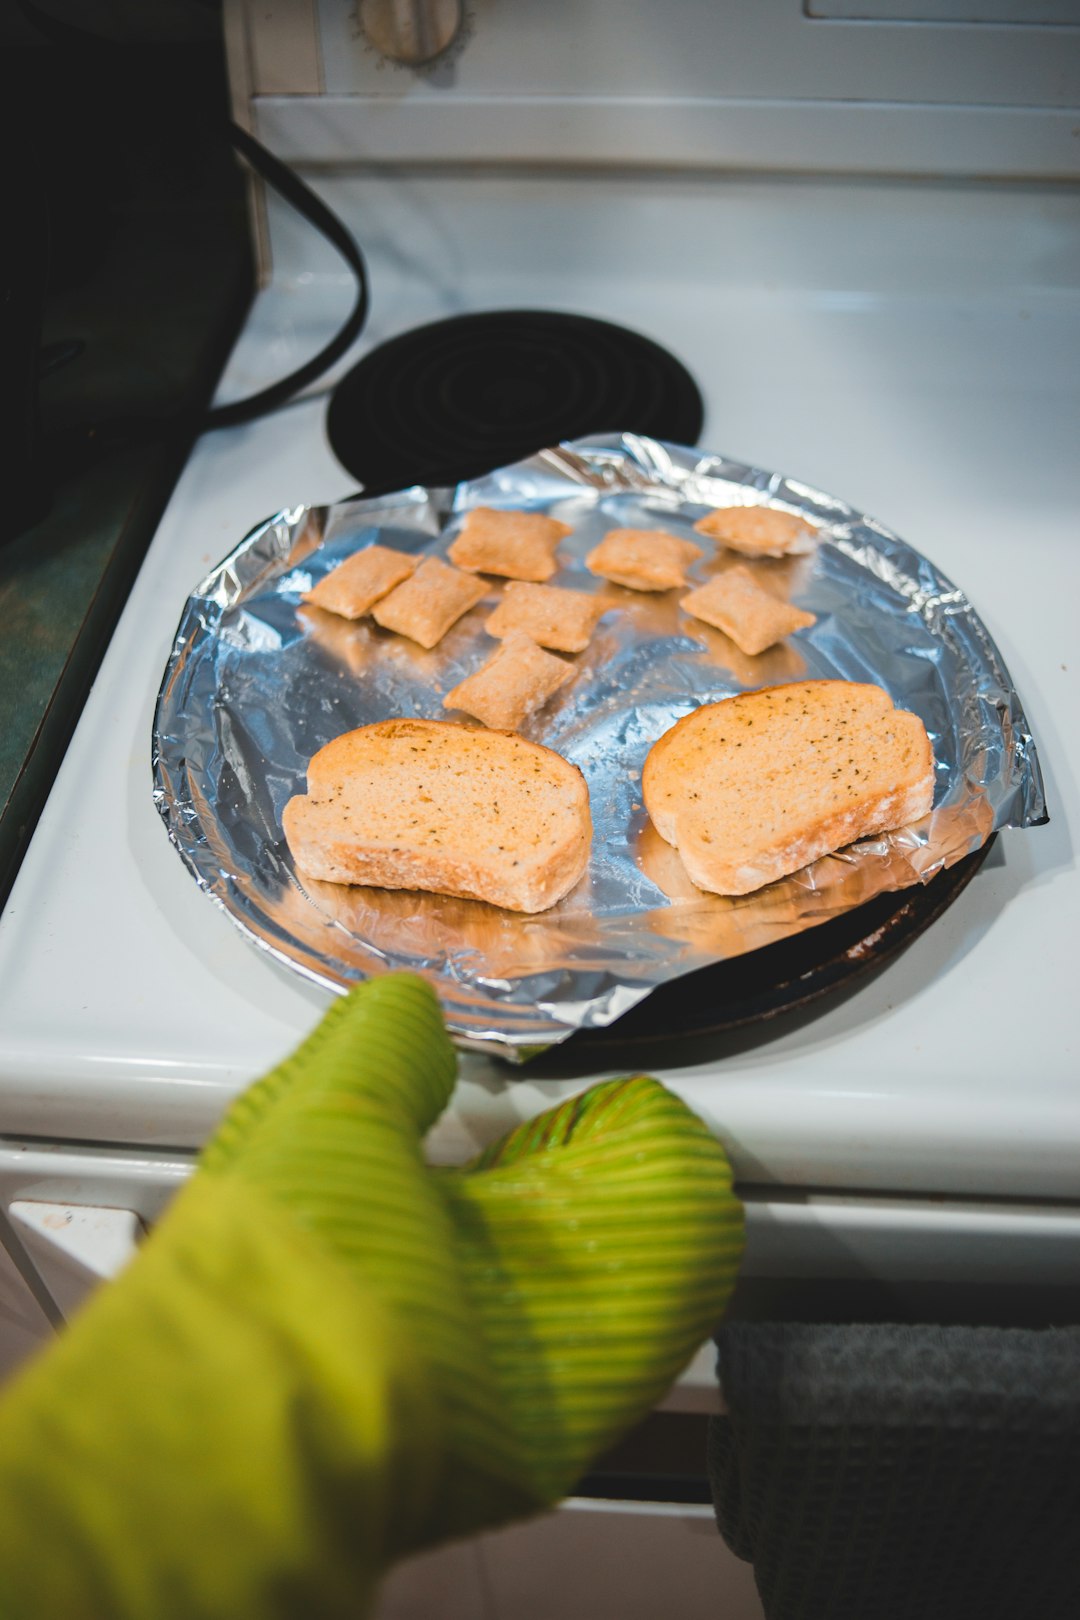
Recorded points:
(906, 341)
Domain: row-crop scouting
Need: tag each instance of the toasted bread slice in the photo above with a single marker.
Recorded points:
(427, 804)
(759, 785)
(355, 585)
(517, 679)
(550, 615)
(643, 559)
(735, 603)
(427, 604)
(759, 531)
(517, 545)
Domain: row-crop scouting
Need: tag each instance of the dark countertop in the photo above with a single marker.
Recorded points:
(151, 273)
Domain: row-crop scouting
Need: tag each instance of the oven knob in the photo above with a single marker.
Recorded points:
(412, 31)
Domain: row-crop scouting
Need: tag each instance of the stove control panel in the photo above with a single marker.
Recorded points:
(972, 87)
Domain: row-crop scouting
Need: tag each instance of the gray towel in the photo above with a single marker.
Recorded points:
(902, 1473)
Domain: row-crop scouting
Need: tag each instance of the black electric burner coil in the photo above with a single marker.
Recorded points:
(461, 397)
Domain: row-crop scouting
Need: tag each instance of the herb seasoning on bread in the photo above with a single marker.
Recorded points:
(757, 786)
(429, 804)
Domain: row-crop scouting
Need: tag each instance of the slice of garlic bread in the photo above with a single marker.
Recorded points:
(429, 804)
(757, 786)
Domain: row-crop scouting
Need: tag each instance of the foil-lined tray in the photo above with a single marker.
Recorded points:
(258, 681)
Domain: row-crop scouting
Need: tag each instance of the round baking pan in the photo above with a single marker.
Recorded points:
(789, 975)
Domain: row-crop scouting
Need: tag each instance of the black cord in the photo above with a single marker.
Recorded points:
(315, 211)
(288, 185)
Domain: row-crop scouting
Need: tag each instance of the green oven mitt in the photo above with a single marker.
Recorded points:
(328, 1355)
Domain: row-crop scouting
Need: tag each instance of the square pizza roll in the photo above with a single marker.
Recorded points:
(517, 545)
(549, 615)
(759, 531)
(517, 680)
(643, 559)
(425, 606)
(736, 604)
(355, 585)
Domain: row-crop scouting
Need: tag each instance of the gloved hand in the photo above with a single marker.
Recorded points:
(328, 1355)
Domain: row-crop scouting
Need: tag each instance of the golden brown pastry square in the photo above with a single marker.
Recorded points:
(758, 531)
(355, 585)
(643, 559)
(549, 615)
(425, 606)
(517, 680)
(517, 545)
(736, 604)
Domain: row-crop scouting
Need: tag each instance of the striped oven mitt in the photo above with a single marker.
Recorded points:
(328, 1355)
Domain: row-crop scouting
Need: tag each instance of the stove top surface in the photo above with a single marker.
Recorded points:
(907, 346)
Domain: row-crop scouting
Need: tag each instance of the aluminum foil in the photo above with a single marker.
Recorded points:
(258, 681)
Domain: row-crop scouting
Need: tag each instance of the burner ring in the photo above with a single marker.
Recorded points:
(458, 398)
